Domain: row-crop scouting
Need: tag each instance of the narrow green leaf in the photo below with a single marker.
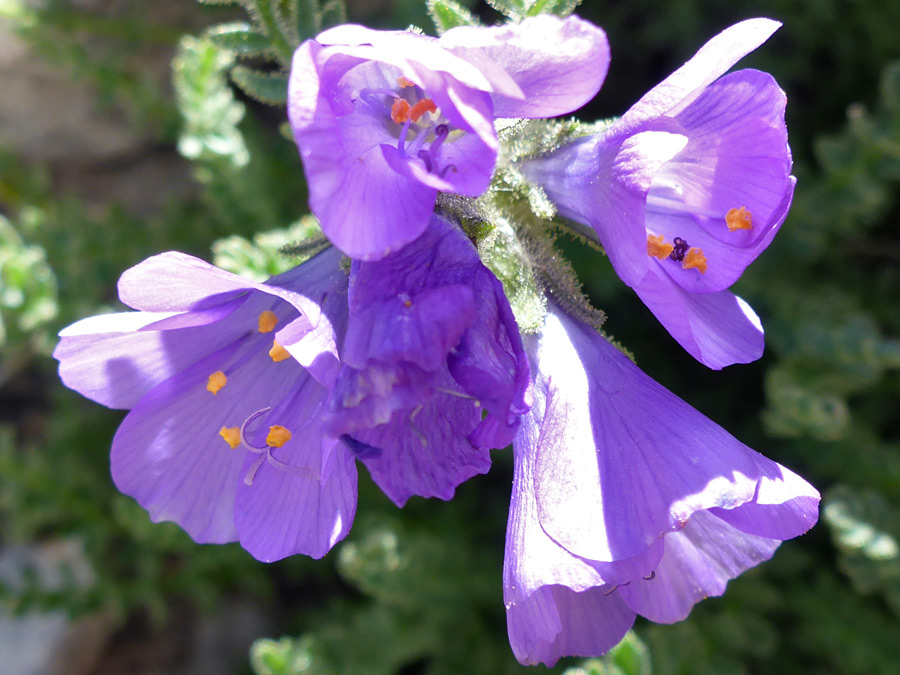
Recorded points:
(333, 13)
(558, 7)
(239, 38)
(447, 14)
(305, 16)
(514, 9)
(268, 88)
(268, 17)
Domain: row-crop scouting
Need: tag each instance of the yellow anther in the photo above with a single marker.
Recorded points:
(404, 83)
(738, 219)
(278, 353)
(694, 259)
(400, 110)
(267, 321)
(216, 381)
(657, 247)
(278, 436)
(232, 436)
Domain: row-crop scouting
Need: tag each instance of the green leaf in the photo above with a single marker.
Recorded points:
(268, 88)
(332, 13)
(558, 7)
(514, 9)
(864, 528)
(630, 657)
(208, 109)
(239, 38)
(447, 14)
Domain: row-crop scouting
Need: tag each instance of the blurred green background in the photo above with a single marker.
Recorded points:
(122, 135)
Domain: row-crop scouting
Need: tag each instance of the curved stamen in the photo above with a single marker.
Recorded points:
(374, 97)
(446, 169)
(251, 473)
(401, 140)
(287, 468)
(426, 158)
(247, 443)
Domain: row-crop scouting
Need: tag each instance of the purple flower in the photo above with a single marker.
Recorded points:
(224, 434)
(386, 120)
(431, 348)
(687, 189)
(627, 501)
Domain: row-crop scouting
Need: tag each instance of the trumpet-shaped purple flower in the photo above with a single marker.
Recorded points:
(386, 120)
(687, 189)
(224, 434)
(627, 501)
(433, 370)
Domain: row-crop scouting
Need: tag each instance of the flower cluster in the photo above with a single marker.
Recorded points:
(249, 403)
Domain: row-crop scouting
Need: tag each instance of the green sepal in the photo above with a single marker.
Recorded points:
(268, 88)
(447, 14)
(239, 38)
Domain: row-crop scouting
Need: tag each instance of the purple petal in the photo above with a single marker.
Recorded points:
(396, 208)
(737, 154)
(490, 364)
(556, 621)
(176, 282)
(168, 454)
(114, 361)
(303, 508)
(785, 506)
(613, 207)
(556, 603)
(718, 329)
(425, 451)
(419, 329)
(699, 561)
(616, 444)
(362, 399)
(354, 164)
(714, 59)
(542, 67)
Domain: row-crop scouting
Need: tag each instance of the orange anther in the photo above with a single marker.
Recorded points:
(216, 381)
(278, 436)
(738, 219)
(278, 353)
(232, 436)
(657, 247)
(400, 110)
(694, 259)
(267, 321)
(404, 83)
(422, 107)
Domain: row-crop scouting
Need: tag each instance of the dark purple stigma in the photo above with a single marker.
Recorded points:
(680, 249)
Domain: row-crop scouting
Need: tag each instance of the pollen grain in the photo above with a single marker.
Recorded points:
(278, 436)
(278, 353)
(400, 110)
(657, 247)
(216, 381)
(739, 219)
(267, 321)
(231, 435)
(694, 259)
